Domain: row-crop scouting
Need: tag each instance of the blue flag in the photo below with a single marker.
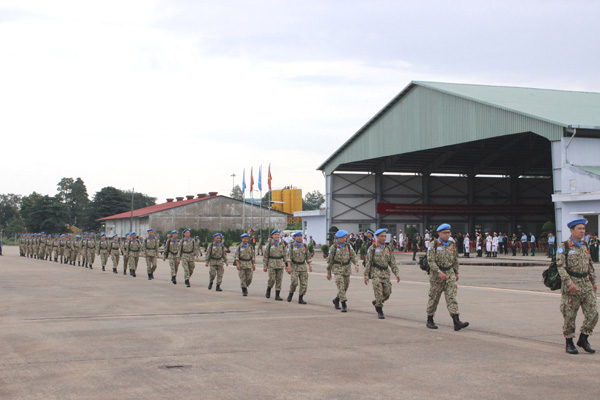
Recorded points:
(260, 178)
(244, 181)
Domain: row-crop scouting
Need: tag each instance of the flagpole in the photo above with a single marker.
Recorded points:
(260, 187)
(244, 201)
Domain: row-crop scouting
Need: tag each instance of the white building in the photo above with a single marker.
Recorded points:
(314, 224)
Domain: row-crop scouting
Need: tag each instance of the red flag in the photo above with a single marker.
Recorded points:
(251, 180)
(269, 177)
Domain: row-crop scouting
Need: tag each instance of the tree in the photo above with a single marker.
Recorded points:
(44, 213)
(9, 208)
(73, 193)
(110, 201)
(236, 193)
(265, 199)
(313, 200)
(140, 200)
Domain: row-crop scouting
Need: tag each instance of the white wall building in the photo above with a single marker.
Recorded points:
(314, 224)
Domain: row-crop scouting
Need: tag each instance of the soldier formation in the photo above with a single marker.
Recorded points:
(574, 262)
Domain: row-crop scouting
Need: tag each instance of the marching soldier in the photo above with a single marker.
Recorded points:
(443, 263)
(124, 246)
(578, 286)
(115, 251)
(245, 262)
(55, 247)
(188, 252)
(172, 253)
(298, 258)
(133, 253)
(69, 249)
(61, 249)
(215, 257)
(83, 250)
(380, 259)
(48, 255)
(76, 252)
(261, 245)
(90, 251)
(151, 245)
(275, 258)
(340, 257)
(102, 249)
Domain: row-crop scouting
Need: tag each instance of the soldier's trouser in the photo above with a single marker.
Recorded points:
(49, 252)
(55, 251)
(91, 257)
(133, 262)
(570, 303)
(125, 262)
(382, 288)
(73, 256)
(104, 259)
(245, 277)
(449, 288)
(174, 264)
(275, 278)
(151, 264)
(302, 277)
(216, 270)
(188, 269)
(41, 251)
(114, 258)
(342, 282)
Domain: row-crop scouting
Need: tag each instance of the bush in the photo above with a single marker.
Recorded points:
(325, 249)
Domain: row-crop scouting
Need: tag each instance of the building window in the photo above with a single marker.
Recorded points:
(364, 227)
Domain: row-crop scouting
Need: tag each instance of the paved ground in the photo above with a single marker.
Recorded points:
(72, 333)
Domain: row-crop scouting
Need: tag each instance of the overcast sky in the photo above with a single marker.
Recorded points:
(172, 97)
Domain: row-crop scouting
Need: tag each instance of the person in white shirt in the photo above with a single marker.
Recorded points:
(401, 240)
(467, 244)
(495, 242)
(488, 245)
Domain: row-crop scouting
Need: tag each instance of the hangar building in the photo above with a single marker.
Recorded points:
(488, 158)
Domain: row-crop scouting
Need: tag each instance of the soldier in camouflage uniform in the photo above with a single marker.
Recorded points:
(443, 263)
(69, 249)
(298, 258)
(103, 250)
(275, 259)
(578, 286)
(380, 258)
(83, 250)
(172, 253)
(124, 246)
(41, 246)
(215, 257)
(76, 250)
(55, 247)
(61, 249)
(245, 262)
(340, 257)
(133, 253)
(48, 255)
(114, 250)
(188, 252)
(90, 250)
(151, 245)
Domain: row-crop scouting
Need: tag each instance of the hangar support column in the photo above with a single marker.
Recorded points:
(425, 191)
(378, 197)
(471, 200)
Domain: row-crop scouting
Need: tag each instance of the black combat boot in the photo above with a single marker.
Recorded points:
(78, 264)
(174, 280)
(584, 344)
(149, 277)
(244, 291)
(152, 275)
(124, 271)
(115, 271)
(290, 297)
(336, 303)
(187, 282)
(210, 285)
(218, 288)
(430, 323)
(93, 268)
(133, 273)
(570, 348)
(458, 325)
(277, 297)
(268, 294)
(301, 299)
(344, 309)
(380, 312)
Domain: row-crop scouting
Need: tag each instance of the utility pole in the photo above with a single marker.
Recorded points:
(131, 218)
(233, 177)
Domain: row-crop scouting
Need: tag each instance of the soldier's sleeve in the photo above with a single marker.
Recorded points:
(224, 254)
(196, 249)
(368, 263)
(393, 264)
(592, 271)
(431, 252)
(180, 250)
(236, 255)
(455, 260)
(266, 255)
(253, 256)
(560, 264)
(330, 260)
(286, 254)
(353, 256)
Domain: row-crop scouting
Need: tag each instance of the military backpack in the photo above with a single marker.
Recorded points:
(550, 276)
(423, 263)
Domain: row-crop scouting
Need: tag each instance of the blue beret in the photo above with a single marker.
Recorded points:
(297, 234)
(173, 232)
(186, 230)
(244, 235)
(443, 227)
(150, 230)
(576, 222)
(370, 231)
(379, 231)
(217, 234)
(341, 233)
(104, 234)
(275, 231)
(114, 235)
(62, 235)
(77, 236)
(132, 233)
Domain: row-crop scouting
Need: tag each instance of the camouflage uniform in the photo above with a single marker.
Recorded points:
(48, 255)
(275, 259)
(103, 249)
(339, 260)
(216, 257)
(379, 260)
(41, 247)
(151, 245)
(580, 271)
(171, 252)
(55, 247)
(124, 246)
(75, 247)
(61, 249)
(69, 250)
(133, 252)
(115, 251)
(187, 253)
(83, 252)
(90, 256)
(246, 258)
(299, 256)
(442, 259)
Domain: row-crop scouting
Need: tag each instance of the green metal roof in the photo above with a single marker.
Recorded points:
(427, 115)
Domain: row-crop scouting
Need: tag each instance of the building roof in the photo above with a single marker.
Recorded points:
(140, 212)
(589, 169)
(428, 115)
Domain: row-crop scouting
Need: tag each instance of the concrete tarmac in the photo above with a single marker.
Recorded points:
(68, 332)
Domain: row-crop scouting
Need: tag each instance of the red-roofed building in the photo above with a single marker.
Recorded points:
(208, 211)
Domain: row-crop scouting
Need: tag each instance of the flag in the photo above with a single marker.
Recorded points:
(251, 180)
(244, 181)
(269, 177)
(260, 178)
